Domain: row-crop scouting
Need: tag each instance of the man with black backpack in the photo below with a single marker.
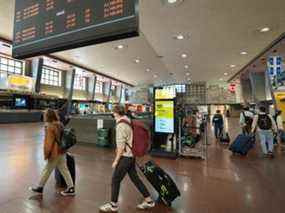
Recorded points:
(266, 127)
(218, 123)
(246, 119)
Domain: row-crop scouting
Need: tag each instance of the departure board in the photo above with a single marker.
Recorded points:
(46, 26)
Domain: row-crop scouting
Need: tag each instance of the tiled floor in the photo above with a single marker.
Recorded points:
(223, 183)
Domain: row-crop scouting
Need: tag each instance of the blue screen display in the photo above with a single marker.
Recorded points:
(20, 102)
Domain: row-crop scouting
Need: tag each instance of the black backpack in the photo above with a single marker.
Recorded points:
(264, 122)
(67, 138)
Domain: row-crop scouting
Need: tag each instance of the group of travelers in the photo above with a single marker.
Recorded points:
(269, 128)
(123, 164)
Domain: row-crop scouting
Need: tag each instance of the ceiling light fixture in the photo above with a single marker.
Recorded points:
(232, 66)
(221, 79)
(243, 53)
(155, 76)
(172, 1)
(187, 73)
(186, 66)
(225, 74)
(137, 61)
(184, 55)
(178, 37)
(265, 29)
(148, 69)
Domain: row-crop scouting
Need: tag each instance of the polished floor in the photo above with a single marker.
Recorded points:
(222, 183)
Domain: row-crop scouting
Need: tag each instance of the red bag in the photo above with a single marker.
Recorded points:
(141, 138)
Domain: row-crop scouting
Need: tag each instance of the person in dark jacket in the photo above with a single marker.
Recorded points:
(218, 123)
(63, 114)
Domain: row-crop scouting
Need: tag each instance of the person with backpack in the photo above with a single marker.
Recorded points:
(125, 163)
(54, 155)
(266, 127)
(246, 119)
(218, 123)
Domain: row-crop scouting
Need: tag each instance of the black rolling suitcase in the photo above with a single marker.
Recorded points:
(242, 144)
(60, 182)
(161, 182)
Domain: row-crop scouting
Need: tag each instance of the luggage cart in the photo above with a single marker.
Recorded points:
(199, 150)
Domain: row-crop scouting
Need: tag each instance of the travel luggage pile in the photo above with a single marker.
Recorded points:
(103, 138)
(225, 138)
(242, 144)
(70, 162)
(161, 182)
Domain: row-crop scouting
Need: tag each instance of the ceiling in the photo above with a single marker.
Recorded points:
(215, 34)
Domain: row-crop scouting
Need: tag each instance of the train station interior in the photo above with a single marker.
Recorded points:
(186, 96)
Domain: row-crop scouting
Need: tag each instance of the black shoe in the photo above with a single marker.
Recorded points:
(68, 192)
(38, 190)
(270, 154)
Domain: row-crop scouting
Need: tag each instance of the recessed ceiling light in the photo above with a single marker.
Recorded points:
(225, 74)
(171, 1)
(179, 37)
(184, 55)
(120, 46)
(221, 79)
(155, 76)
(137, 61)
(187, 73)
(265, 29)
(232, 65)
(243, 53)
(186, 66)
(148, 69)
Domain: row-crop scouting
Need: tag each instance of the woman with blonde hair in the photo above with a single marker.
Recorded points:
(54, 156)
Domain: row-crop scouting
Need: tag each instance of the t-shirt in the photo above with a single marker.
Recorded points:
(124, 135)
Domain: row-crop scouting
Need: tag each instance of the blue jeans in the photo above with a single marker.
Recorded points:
(218, 130)
(266, 140)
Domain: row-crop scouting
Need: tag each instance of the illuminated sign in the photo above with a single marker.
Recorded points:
(45, 26)
(165, 93)
(164, 116)
(19, 82)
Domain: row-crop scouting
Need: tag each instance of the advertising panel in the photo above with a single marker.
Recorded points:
(164, 116)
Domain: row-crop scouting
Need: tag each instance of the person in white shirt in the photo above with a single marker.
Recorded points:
(245, 120)
(266, 127)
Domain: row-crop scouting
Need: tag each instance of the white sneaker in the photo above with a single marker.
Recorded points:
(109, 207)
(146, 205)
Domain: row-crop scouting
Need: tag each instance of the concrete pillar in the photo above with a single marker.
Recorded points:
(38, 74)
(28, 71)
(258, 85)
(70, 95)
(94, 89)
(246, 90)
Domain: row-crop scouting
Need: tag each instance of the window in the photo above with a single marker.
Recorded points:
(79, 82)
(51, 76)
(10, 66)
(181, 88)
(99, 87)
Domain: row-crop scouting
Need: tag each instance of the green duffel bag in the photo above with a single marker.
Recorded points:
(103, 133)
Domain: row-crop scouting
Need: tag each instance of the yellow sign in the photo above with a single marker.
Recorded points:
(19, 82)
(164, 116)
(165, 93)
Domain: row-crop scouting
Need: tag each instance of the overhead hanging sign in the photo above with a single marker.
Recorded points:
(20, 82)
(46, 26)
(276, 72)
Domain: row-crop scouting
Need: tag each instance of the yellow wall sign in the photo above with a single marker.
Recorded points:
(166, 93)
(19, 82)
(164, 116)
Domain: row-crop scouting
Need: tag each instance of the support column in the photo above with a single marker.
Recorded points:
(94, 88)
(258, 85)
(38, 75)
(71, 89)
(121, 93)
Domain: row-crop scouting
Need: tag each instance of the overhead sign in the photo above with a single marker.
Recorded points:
(19, 82)
(276, 72)
(164, 116)
(165, 93)
(46, 26)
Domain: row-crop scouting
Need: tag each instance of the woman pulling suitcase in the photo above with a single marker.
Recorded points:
(54, 155)
(125, 163)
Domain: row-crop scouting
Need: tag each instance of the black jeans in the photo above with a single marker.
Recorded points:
(218, 130)
(126, 165)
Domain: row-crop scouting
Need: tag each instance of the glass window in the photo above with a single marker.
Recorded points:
(51, 76)
(99, 87)
(79, 82)
(11, 66)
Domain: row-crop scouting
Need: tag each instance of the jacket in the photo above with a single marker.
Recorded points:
(52, 134)
(124, 136)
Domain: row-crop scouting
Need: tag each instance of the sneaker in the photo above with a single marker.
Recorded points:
(68, 192)
(146, 205)
(109, 207)
(270, 154)
(37, 190)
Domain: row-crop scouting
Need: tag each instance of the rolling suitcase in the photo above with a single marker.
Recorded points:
(242, 144)
(60, 182)
(225, 138)
(161, 182)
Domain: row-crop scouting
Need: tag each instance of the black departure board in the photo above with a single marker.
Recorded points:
(46, 26)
